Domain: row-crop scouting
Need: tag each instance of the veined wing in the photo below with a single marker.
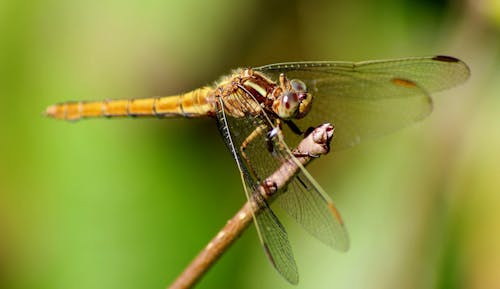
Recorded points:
(311, 207)
(371, 98)
(303, 198)
(272, 234)
(305, 201)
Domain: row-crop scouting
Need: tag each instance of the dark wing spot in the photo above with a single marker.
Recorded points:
(445, 58)
(403, 82)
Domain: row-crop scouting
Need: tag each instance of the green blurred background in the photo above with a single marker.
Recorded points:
(127, 203)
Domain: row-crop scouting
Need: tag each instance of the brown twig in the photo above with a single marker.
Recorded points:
(313, 145)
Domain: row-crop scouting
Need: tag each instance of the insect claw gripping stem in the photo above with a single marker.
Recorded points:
(270, 187)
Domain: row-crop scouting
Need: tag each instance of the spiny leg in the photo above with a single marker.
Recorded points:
(252, 136)
(274, 134)
(270, 137)
(269, 186)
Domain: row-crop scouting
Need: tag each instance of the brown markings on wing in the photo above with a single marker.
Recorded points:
(403, 82)
(335, 213)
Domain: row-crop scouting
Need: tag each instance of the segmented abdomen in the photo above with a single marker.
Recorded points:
(197, 103)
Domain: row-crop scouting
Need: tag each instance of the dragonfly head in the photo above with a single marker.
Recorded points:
(293, 101)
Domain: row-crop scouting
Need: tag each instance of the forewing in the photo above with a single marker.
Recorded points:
(368, 99)
(433, 73)
(272, 234)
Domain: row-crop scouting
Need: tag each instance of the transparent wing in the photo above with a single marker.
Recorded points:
(368, 99)
(311, 207)
(303, 198)
(275, 242)
(272, 234)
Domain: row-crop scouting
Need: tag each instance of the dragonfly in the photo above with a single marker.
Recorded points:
(263, 112)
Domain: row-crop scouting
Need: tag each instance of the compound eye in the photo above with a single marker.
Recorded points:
(287, 105)
(298, 85)
(290, 101)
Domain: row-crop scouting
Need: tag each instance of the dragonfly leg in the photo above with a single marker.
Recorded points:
(270, 187)
(308, 131)
(257, 132)
(271, 136)
(276, 132)
(295, 129)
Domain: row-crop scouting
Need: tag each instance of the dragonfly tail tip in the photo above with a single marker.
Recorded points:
(50, 111)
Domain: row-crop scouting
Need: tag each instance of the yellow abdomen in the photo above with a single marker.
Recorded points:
(197, 103)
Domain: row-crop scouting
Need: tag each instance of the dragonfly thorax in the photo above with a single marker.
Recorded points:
(291, 99)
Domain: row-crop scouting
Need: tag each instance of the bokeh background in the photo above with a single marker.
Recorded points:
(127, 203)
